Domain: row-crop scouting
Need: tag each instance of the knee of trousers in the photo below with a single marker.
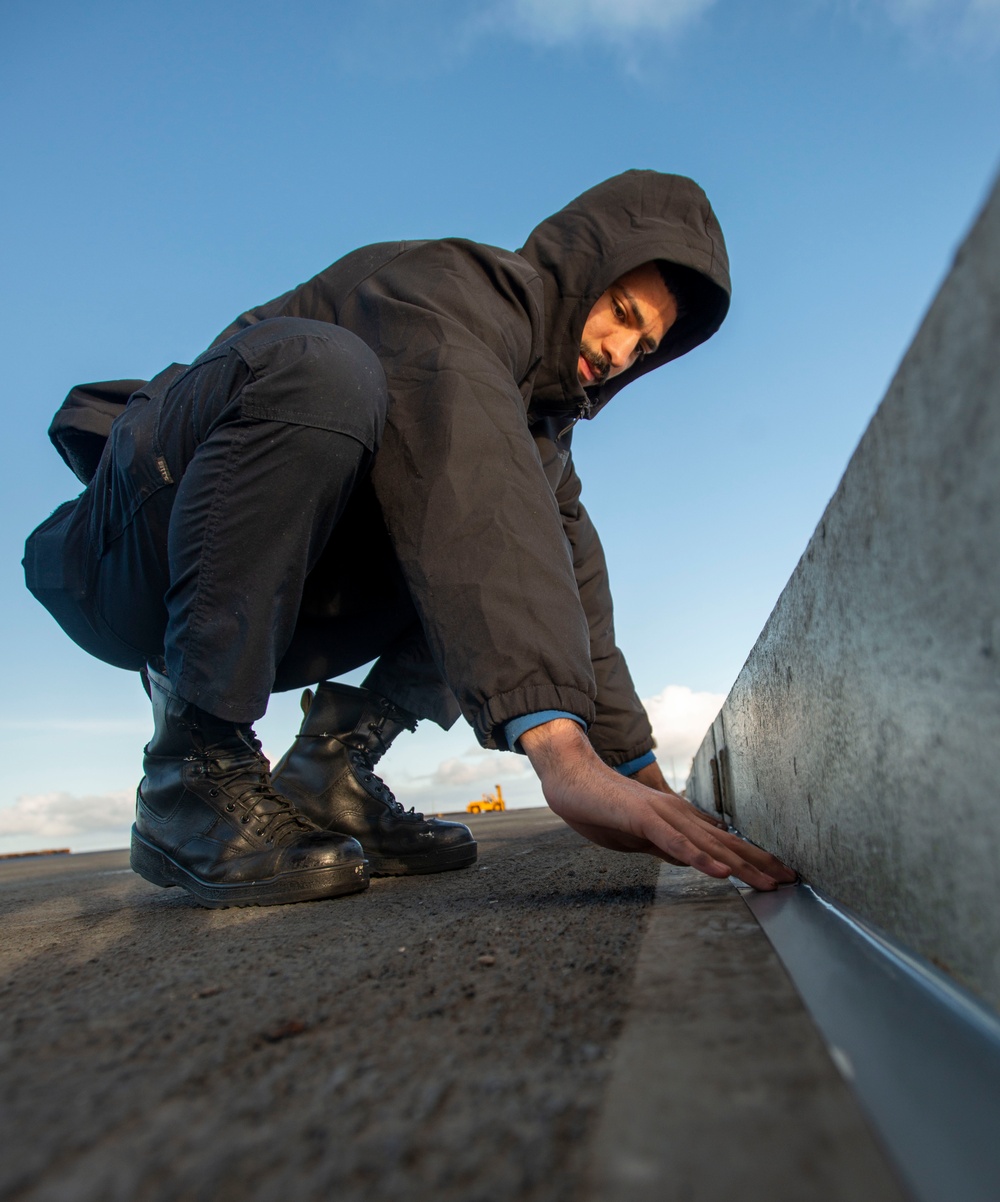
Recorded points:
(312, 373)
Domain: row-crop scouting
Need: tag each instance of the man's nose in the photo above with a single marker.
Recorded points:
(621, 349)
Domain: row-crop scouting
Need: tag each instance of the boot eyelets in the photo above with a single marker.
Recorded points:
(213, 792)
(230, 807)
(245, 819)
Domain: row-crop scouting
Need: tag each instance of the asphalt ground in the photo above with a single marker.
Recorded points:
(439, 1037)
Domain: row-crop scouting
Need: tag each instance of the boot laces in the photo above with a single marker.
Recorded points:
(245, 778)
(364, 762)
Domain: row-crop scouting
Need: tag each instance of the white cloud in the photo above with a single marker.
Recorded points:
(554, 21)
(457, 774)
(979, 26)
(61, 815)
(967, 24)
(477, 767)
(680, 717)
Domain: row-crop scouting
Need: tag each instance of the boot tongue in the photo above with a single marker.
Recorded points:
(237, 753)
(244, 775)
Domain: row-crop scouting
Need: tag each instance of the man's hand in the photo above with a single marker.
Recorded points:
(652, 777)
(620, 813)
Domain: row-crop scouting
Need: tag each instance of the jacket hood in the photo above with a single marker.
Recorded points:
(612, 228)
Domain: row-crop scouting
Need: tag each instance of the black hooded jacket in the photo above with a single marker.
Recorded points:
(474, 476)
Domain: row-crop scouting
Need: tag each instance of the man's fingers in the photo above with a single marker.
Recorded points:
(706, 851)
(749, 863)
(714, 840)
(724, 863)
(672, 845)
(764, 860)
(708, 864)
(758, 858)
(716, 852)
(708, 819)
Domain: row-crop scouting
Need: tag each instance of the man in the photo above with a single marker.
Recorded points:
(378, 464)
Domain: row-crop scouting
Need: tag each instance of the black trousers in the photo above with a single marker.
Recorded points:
(231, 531)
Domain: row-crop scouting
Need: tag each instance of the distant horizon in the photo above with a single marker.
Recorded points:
(124, 846)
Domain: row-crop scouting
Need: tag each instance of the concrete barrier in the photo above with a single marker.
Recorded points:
(861, 740)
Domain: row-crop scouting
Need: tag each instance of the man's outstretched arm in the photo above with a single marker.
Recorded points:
(617, 812)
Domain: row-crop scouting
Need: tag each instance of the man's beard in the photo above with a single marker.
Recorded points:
(598, 364)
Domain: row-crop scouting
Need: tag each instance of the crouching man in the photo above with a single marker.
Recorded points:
(376, 465)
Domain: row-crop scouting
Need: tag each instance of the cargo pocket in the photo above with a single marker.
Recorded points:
(132, 469)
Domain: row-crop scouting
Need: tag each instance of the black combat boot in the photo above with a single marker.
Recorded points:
(207, 817)
(328, 775)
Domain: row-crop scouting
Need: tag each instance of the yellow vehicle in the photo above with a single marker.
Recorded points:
(489, 802)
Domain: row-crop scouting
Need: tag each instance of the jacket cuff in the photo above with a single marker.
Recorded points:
(518, 726)
(502, 708)
(623, 755)
(636, 765)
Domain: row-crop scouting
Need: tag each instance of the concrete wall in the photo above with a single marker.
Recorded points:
(861, 741)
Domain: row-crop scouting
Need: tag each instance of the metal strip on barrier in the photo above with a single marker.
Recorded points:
(922, 1056)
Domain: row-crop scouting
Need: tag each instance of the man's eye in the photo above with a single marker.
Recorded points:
(618, 309)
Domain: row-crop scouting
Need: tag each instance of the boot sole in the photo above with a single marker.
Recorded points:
(423, 862)
(158, 868)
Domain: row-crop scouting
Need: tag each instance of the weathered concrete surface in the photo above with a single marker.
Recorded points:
(861, 741)
(360, 1048)
(721, 1086)
(445, 1038)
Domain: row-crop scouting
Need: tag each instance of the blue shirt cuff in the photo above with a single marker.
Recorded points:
(637, 764)
(517, 726)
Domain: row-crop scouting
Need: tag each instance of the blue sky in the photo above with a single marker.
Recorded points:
(168, 164)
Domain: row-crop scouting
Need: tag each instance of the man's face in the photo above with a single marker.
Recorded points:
(628, 321)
